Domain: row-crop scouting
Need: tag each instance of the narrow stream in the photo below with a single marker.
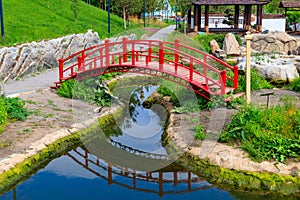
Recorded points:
(80, 174)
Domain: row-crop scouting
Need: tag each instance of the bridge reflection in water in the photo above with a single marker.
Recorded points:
(138, 180)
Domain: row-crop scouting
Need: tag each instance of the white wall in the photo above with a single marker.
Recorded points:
(274, 24)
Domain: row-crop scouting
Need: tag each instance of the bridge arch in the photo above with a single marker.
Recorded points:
(173, 61)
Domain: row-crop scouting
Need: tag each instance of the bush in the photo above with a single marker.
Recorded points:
(15, 109)
(266, 133)
(3, 112)
(296, 85)
(89, 90)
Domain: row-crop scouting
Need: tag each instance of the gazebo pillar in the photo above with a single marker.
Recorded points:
(206, 28)
(259, 14)
(199, 17)
(236, 16)
(196, 13)
(189, 19)
(247, 17)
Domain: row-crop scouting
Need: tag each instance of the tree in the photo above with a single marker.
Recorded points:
(184, 6)
(293, 17)
(273, 7)
(229, 20)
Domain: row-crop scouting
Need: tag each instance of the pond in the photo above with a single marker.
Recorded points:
(82, 173)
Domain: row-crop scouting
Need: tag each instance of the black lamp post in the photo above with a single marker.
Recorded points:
(108, 20)
(144, 13)
(2, 19)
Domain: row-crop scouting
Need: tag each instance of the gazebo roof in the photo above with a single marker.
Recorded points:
(289, 4)
(231, 2)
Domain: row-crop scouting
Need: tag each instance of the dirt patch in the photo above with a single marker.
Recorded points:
(49, 114)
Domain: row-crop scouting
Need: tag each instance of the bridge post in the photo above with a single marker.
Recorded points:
(223, 82)
(161, 55)
(132, 55)
(236, 77)
(176, 57)
(191, 69)
(150, 52)
(79, 61)
(107, 61)
(61, 69)
(124, 49)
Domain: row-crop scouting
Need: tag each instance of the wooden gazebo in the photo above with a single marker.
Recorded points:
(290, 6)
(247, 4)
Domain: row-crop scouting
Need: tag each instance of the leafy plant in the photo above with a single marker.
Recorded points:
(266, 133)
(15, 109)
(296, 85)
(199, 132)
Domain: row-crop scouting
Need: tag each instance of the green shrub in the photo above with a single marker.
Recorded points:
(3, 112)
(266, 134)
(199, 132)
(88, 90)
(296, 85)
(15, 109)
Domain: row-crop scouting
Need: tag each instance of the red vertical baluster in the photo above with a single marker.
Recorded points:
(191, 69)
(236, 77)
(161, 55)
(132, 54)
(150, 52)
(176, 57)
(124, 49)
(107, 53)
(61, 69)
(223, 82)
(79, 62)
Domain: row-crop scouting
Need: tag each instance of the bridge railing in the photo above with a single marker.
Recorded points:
(107, 171)
(129, 52)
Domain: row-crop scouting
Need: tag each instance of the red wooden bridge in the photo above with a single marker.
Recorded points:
(196, 70)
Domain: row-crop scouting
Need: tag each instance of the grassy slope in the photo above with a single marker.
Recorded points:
(33, 20)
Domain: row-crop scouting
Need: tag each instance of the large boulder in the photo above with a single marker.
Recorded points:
(273, 42)
(231, 45)
(214, 45)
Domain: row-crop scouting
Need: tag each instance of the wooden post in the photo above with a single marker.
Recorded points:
(176, 57)
(191, 69)
(259, 18)
(107, 61)
(132, 55)
(196, 18)
(189, 19)
(61, 69)
(223, 82)
(79, 62)
(124, 41)
(161, 55)
(150, 52)
(236, 16)
(206, 28)
(236, 77)
(248, 38)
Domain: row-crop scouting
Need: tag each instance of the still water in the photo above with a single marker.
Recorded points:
(80, 174)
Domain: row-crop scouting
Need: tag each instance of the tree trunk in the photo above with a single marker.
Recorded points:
(124, 17)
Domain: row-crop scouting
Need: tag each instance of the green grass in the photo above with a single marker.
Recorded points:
(34, 20)
(267, 134)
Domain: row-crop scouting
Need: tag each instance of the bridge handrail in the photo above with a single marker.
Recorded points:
(149, 49)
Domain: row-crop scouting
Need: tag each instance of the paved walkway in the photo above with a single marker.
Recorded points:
(46, 79)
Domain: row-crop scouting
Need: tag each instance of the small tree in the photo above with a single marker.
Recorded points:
(293, 18)
(229, 17)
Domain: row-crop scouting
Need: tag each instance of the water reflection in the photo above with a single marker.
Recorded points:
(81, 175)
